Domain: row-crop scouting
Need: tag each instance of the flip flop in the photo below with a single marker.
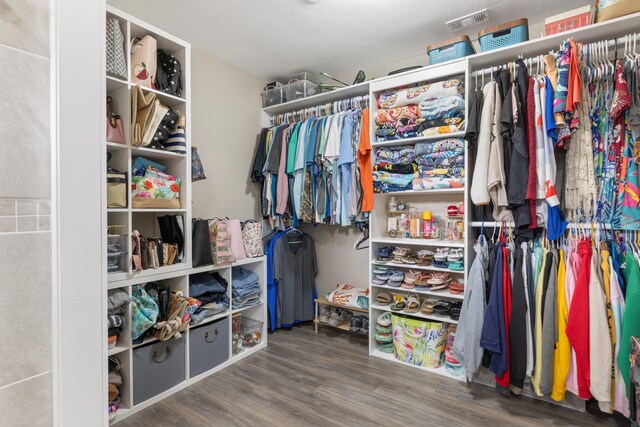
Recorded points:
(409, 259)
(456, 288)
(401, 251)
(427, 306)
(399, 306)
(455, 255)
(384, 319)
(442, 307)
(441, 254)
(384, 298)
(411, 277)
(413, 304)
(439, 278)
(456, 265)
(423, 280)
(406, 285)
(394, 284)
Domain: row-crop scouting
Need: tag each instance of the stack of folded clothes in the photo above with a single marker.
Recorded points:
(245, 288)
(117, 304)
(394, 169)
(115, 383)
(211, 290)
(440, 164)
(423, 110)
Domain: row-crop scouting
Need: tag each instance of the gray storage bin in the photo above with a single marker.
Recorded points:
(208, 346)
(156, 368)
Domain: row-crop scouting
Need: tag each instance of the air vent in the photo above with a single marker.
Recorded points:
(468, 20)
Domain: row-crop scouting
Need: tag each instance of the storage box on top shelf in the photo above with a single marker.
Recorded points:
(450, 49)
(300, 89)
(507, 34)
(567, 21)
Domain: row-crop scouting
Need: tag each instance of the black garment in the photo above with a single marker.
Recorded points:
(548, 264)
(273, 156)
(506, 122)
(492, 247)
(518, 327)
(473, 122)
(261, 156)
(403, 169)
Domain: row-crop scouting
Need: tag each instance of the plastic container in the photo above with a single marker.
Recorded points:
(568, 21)
(300, 89)
(302, 76)
(274, 96)
(507, 34)
(116, 253)
(450, 49)
(250, 332)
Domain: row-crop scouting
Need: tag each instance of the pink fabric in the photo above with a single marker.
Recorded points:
(573, 259)
(282, 189)
(237, 247)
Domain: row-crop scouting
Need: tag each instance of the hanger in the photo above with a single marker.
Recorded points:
(364, 237)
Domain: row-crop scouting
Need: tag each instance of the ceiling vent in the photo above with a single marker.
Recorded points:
(468, 20)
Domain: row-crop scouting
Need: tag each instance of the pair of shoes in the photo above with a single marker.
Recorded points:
(359, 324)
(340, 316)
(383, 254)
(454, 313)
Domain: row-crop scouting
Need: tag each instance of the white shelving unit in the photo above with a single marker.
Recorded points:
(435, 201)
(175, 276)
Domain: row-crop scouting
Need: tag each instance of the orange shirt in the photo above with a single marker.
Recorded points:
(364, 163)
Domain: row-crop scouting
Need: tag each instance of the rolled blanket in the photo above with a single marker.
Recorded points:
(383, 187)
(451, 118)
(436, 106)
(392, 178)
(395, 155)
(402, 169)
(437, 183)
(440, 162)
(395, 114)
(417, 94)
(449, 144)
(428, 172)
(442, 130)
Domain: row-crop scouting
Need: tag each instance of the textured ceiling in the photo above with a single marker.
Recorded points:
(273, 39)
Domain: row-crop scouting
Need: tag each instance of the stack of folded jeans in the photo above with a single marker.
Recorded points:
(440, 164)
(245, 288)
(394, 169)
(211, 290)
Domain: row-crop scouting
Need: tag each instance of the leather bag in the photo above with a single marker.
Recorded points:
(144, 61)
(115, 130)
(200, 243)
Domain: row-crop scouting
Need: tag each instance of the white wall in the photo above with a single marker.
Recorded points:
(226, 112)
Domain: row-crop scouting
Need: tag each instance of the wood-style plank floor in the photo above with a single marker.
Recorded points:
(329, 380)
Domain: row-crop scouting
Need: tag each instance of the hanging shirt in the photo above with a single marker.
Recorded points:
(546, 268)
(562, 352)
(364, 162)
(345, 159)
(549, 325)
(573, 267)
(631, 319)
(518, 336)
(282, 186)
(600, 354)
(529, 314)
(620, 402)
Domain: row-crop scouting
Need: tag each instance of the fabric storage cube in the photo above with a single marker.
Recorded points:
(419, 342)
(300, 89)
(156, 368)
(507, 34)
(450, 49)
(208, 346)
(274, 96)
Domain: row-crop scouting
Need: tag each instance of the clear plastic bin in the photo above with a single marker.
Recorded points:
(274, 96)
(302, 76)
(116, 253)
(250, 332)
(300, 89)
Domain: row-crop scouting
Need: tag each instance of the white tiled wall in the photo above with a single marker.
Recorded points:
(25, 225)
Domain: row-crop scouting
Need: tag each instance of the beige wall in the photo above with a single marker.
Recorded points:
(26, 391)
(226, 108)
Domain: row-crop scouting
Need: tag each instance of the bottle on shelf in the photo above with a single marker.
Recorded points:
(426, 225)
(393, 206)
(434, 228)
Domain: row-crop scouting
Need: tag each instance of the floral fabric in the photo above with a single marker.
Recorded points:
(419, 342)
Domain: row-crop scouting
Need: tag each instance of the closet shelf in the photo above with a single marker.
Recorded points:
(423, 192)
(418, 242)
(168, 99)
(117, 210)
(114, 146)
(115, 83)
(117, 350)
(434, 317)
(439, 371)
(411, 141)
(417, 267)
(120, 280)
(210, 267)
(246, 261)
(239, 310)
(343, 327)
(175, 211)
(324, 301)
(210, 319)
(155, 153)
(249, 351)
(440, 294)
(319, 99)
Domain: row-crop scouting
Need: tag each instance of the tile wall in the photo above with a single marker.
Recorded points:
(25, 221)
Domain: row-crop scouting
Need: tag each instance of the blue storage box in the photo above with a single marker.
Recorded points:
(507, 34)
(448, 50)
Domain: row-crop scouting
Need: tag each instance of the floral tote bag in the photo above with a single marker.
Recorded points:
(419, 342)
(220, 242)
(144, 311)
(252, 238)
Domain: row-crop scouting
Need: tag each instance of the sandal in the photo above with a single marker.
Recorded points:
(442, 307)
(396, 275)
(384, 319)
(425, 257)
(379, 269)
(456, 288)
(376, 281)
(399, 305)
(400, 252)
(409, 260)
(423, 279)
(455, 255)
(413, 304)
(394, 283)
(439, 278)
(427, 306)
(406, 285)
(411, 277)
(440, 264)
(454, 313)
(384, 298)
(441, 254)
(456, 265)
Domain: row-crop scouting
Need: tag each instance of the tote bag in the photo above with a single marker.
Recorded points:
(419, 342)
(143, 110)
(116, 63)
(237, 247)
(252, 238)
(144, 61)
(220, 242)
(200, 243)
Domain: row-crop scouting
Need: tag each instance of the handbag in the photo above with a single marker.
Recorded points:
(143, 109)
(200, 242)
(169, 253)
(419, 342)
(116, 63)
(176, 141)
(143, 61)
(166, 126)
(197, 171)
(171, 232)
(237, 247)
(168, 74)
(252, 238)
(144, 311)
(152, 249)
(136, 259)
(115, 130)
(220, 242)
(116, 189)
(144, 254)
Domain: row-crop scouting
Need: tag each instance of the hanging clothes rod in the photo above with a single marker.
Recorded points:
(360, 102)
(603, 46)
(585, 225)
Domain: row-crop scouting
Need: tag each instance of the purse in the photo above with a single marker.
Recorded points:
(159, 255)
(252, 238)
(176, 141)
(220, 242)
(200, 242)
(168, 74)
(197, 171)
(116, 189)
(144, 61)
(116, 63)
(143, 108)
(166, 126)
(144, 254)
(136, 259)
(172, 232)
(115, 130)
(152, 249)
(170, 252)
(237, 247)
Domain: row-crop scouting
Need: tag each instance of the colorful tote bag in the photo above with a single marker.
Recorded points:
(252, 238)
(144, 311)
(220, 242)
(419, 342)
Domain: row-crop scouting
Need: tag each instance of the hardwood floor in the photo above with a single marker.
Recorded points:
(329, 380)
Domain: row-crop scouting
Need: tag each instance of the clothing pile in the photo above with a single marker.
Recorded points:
(427, 109)
(440, 164)
(115, 383)
(556, 315)
(210, 289)
(116, 311)
(394, 169)
(245, 287)
(316, 171)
